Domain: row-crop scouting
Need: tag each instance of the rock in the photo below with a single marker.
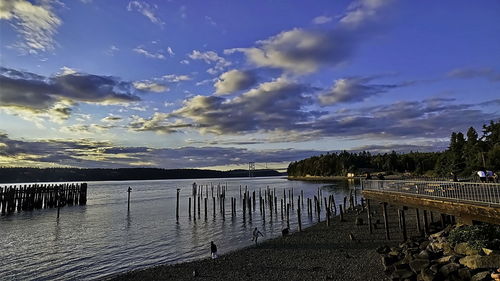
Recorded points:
(422, 255)
(463, 274)
(490, 252)
(401, 274)
(195, 273)
(394, 253)
(484, 275)
(383, 250)
(427, 275)
(389, 260)
(447, 269)
(445, 259)
(434, 268)
(424, 245)
(359, 221)
(417, 265)
(477, 261)
(465, 249)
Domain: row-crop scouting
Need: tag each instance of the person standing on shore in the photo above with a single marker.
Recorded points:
(213, 250)
(256, 234)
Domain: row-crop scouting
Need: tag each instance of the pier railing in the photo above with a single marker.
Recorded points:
(466, 192)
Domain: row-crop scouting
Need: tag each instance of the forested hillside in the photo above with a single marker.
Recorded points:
(465, 154)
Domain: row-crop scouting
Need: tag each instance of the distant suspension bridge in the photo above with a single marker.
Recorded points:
(252, 166)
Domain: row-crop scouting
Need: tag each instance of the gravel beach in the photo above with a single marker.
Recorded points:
(317, 253)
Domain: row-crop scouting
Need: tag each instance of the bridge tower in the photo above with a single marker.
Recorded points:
(251, 169)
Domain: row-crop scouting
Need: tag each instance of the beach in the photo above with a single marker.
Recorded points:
(317, 253)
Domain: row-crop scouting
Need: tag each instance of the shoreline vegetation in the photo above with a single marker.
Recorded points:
(23, 175)
(341, 251)
(466, 154)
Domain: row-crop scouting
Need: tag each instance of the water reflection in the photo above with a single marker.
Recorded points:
(105, 236)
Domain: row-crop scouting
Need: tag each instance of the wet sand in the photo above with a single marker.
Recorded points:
(317, 253)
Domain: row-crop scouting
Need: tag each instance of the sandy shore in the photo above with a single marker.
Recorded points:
(317, 253)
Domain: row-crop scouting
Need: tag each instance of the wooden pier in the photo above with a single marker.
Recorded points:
(41, 196)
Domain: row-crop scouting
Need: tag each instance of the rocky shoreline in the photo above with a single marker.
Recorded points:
(457, 252)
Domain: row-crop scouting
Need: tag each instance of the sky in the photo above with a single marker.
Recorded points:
(218, 84)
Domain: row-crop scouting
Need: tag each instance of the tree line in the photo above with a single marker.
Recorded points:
(13, 175)
(464, 155)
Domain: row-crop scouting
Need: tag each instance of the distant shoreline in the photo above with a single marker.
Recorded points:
(36, 175)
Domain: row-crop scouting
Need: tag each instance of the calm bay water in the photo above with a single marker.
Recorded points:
(103, 238)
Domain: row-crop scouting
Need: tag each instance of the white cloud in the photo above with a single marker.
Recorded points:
(212, 58)
(176, 78)
(146, 10)
(170, 51)
(210, 21)
(142, 51)
(184, 62)
(234, 80)
(362, 12)
(321, 20)
(149, 86)
(353, 89)
(298, 50)
(36, 24)
(112, 50)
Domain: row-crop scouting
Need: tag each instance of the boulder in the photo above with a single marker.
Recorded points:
(448, 269)
(401, 274)
(422, 255)
(490, 252)
(424, 244)
(477, 261)
(418, 265)
(463, 274)
(481, 276)
(445, 259)
(465, 249)
(428, 275)
(359, 221)
(389, 260)
(383, 250)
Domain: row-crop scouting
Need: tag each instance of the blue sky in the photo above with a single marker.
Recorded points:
(221, 83)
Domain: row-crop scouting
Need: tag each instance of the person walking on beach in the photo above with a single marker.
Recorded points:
(213, 250)
(256, 234)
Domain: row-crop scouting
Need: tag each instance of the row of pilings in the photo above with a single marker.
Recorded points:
(210, 200)
(41, 196)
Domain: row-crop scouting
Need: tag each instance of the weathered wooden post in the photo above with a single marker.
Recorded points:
(199, 209)
(128, 201)
(419, 227)
(59, 203)
(281, 200)
(369, 215)
(341, 210)
(206, 209)
(386, 220)
(213, 200)
(318, 202)
(426, 224)
(403, 222)
(299, 219)
(189, 208)
(177, 206)
(288, 215)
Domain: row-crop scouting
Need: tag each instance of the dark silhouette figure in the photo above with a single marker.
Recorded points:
(380, 177)
(213, 250)
(256, 234)
(285, 231)
(368, 176)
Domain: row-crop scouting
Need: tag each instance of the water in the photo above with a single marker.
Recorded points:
(103, 238)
